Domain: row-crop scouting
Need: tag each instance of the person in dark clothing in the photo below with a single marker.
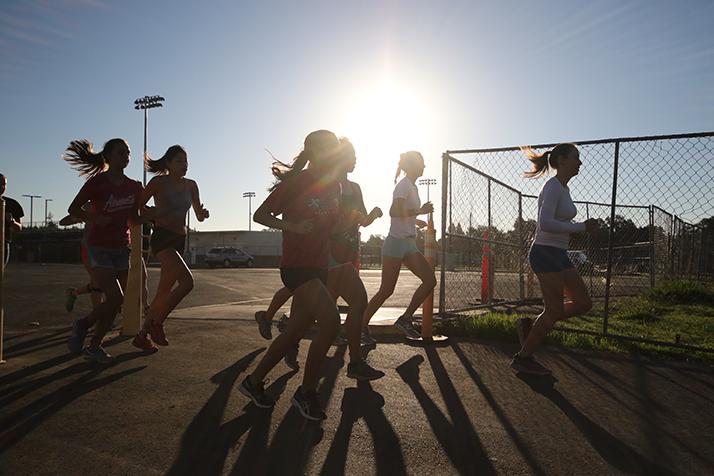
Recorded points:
(13, 217)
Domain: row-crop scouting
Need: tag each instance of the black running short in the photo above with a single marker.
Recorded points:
(162, 239)
(293, 278)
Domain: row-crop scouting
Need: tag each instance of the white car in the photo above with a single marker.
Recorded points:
(228, 257)
(580, 261)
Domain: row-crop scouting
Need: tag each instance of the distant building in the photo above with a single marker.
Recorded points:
(265, 246)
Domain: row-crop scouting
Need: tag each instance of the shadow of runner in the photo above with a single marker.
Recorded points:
(44, 365)
(471, 449)
(613, 450)
(39, 340)
(23, 421)
(252, 457)
(364, 402)
(607, 376)
(507, 425)
(295, 437)
(457, 440)
(648, 413)
(203, 448)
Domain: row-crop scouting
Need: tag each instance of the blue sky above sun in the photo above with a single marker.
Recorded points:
(242, 77)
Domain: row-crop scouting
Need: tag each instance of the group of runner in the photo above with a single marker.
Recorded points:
(319, 212)
(108, 203)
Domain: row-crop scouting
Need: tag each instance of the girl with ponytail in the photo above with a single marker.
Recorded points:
(343, 274)
(400, 246)
(106, 203)
(173, 195)
(548, 255)
(307, 202)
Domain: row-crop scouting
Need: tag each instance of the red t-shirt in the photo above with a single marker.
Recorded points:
(118, 201)
(306, 197)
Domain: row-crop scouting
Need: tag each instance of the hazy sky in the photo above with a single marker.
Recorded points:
(242, 77)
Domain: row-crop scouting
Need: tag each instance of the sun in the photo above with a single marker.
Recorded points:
(382, 121)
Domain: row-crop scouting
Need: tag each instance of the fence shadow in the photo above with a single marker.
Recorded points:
(614, 451)
(364, 402)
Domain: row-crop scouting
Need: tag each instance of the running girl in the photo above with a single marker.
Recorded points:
(113, 200)
(308, 202)
(400, 246)
(173, 195)
(73, 293)
(548, 254)
(342, 278)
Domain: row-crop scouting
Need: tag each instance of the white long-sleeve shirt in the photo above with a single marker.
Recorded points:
(555, 213)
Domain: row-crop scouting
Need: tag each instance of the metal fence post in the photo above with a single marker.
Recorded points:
(589, 246)
(652, 248)
(610, 238)
(490, 249)
(2, 277)
(521, 249)
(445, 183)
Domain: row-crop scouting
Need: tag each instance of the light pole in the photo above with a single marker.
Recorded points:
(32, 201)
(46, 200)
(146, 103)
(249, 196)
(427, 182)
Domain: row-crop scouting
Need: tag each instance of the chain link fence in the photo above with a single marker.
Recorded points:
(652, 196)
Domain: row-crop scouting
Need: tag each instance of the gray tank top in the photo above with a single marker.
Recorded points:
(173, 203)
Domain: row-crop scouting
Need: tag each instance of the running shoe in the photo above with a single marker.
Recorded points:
(256, 392)
(283, 323)
(143, 342)
(366, 339)
(523, 327)
(76, 340)
(156, 331)
(308, 405)
(528, 365)
(291, 357)
(71, 298)
(97, 354)
(405, 325)
(362, 371)
(263, 325)
(340, 340)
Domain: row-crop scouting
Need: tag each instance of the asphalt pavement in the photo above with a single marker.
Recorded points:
(456, 409)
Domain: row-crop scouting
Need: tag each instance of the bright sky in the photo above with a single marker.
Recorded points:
(241, 77)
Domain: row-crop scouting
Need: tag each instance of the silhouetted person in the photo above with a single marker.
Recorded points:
(13, 217)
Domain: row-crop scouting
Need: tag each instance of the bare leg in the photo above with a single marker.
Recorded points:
(344, 281)
(103, 315)
(418, 265)
(390, 274)
(145, 282)
(280, 297)
(310, 301)
(552, 286)
(577, 293)
(177, 271)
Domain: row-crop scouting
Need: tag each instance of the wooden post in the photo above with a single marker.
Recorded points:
(430, 255)
(131, 308)
(2, 278)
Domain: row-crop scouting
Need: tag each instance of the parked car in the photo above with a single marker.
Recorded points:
(580, 261)
(228, 257)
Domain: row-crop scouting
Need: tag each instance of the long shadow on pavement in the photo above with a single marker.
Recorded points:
(521, 445)
(20, 423)
(203, 447)
(21, 347)
(364, 402)
(458, 437)
(295, 437)
(649, 411)
(46, 364)
(613, 450)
